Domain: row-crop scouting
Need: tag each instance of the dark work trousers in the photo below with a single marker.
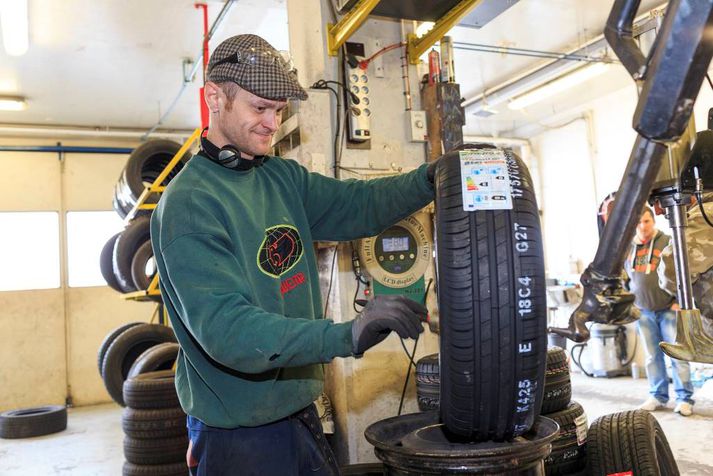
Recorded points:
(292, 446)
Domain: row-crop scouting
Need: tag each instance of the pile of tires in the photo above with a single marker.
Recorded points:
(133, 349)
(569, 449)
(155, 435)
(568, 454)
(491, 297)
(126, 260)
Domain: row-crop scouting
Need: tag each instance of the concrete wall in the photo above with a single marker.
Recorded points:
(49, 338)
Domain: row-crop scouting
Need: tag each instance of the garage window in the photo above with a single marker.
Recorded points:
(87, 232)
(29, 250)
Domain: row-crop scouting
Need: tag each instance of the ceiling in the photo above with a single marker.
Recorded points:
(119, 64)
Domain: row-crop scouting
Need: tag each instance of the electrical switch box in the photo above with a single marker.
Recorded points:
(358, 102)
(416, 126)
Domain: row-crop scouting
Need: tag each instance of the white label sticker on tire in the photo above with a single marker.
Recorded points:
(581, 422)
(485, 180)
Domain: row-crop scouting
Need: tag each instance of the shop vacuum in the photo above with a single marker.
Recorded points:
(607, 349)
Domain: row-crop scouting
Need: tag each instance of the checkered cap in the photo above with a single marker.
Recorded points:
(269, 76)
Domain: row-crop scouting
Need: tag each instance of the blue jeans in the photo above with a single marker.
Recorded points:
(292, 446)
(655, 327)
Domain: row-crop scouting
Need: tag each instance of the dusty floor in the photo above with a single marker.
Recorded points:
(92, 443)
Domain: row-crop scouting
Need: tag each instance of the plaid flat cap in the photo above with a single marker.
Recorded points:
(255, 66)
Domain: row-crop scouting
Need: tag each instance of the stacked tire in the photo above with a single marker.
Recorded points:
(126, 260)
(569, 449)
(155, 435)
(132, 349)
(568, 454)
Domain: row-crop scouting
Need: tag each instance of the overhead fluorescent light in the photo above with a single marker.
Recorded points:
(12, 103)
(14, 25)
(558, 85)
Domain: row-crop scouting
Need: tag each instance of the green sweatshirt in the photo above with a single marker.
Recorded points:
(239, 279)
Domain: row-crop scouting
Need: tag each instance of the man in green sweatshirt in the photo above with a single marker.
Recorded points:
(232, 237)
(658, 316)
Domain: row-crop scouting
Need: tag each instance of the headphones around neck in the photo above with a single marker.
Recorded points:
(229, 156)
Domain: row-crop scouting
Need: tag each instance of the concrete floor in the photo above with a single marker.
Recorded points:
(92, 442)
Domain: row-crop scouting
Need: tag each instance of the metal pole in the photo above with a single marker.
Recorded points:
(678, 221)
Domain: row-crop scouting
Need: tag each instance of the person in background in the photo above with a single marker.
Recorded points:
(658, 316)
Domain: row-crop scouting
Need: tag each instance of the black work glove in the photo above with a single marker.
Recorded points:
(384, 314)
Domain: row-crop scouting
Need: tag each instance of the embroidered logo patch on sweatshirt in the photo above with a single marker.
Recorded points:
(280, 250)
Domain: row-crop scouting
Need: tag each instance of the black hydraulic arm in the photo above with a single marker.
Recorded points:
(672, 75)
(619, 33)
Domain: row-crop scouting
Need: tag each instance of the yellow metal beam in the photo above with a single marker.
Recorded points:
(339, 33)
(418, 46)
(176, 158)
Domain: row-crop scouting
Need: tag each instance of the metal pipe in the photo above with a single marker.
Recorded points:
(65, 149)
(619, 32)
(678, 222)
(78, 131)
(191, 75)
(643, 166)
(496, 140)
(502, 92)
(459, 45)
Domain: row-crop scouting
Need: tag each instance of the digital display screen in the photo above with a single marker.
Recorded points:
(395, 243)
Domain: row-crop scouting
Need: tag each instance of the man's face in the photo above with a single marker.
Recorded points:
(250, 122)
(646, 227)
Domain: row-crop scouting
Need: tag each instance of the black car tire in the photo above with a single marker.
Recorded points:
(36, 421)
(105, 264)
(151, 390)
(558, 385)
(136, 233)
(629, 441)
(104, 346)
(144, 165)
(153, 423)
(172, 469)
(159, 357)
(491, 294)
(428, 381)
(123, 352)
(569, 450)
(141, 258)
(155, 451)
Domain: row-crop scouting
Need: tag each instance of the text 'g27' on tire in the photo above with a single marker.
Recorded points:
(491, 297)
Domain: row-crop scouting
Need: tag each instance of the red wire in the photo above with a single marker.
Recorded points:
(365, 63)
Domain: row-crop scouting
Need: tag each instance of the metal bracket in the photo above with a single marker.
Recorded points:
(418, 46)
(338, 33)
(692, 342)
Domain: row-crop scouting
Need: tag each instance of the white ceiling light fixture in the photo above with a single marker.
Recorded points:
(14, 24)
(13, 103)
(558, 85)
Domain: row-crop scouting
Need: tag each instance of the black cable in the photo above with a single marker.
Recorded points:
(411, 355)
(709, 80)
(633, 354)
(699, 199)
(331, 278)
(323, 84)
(576, 360)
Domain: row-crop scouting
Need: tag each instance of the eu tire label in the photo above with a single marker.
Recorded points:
(485, 180)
